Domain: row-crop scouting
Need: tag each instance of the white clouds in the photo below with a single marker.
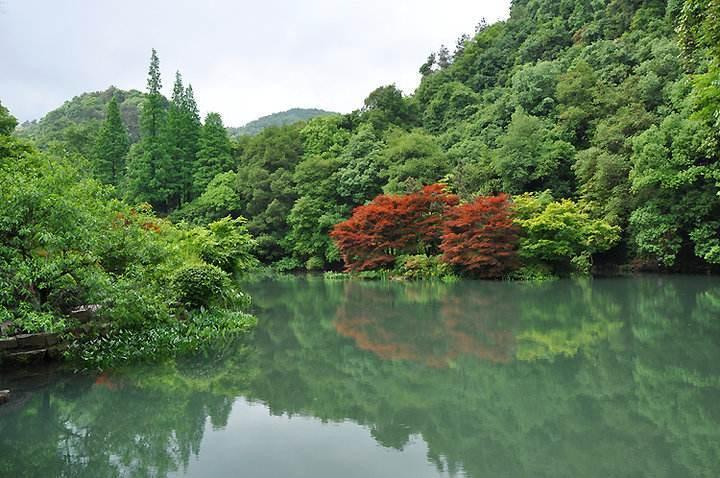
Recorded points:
(245, 59)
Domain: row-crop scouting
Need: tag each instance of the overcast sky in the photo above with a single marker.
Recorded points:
(245, 59)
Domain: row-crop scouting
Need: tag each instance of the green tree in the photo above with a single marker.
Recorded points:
(558, 235)
(534, 85)
(181, 137)
(7, 121)
(452, 103)
(675, 179)
(311, 219)
(427, 67)
(265, 185)
(575, 93)
(214, 155)
(386, 106)
(532, 158)
(220, 199)
(413, 160)
(699, 27)
(443, 57)
(112, 146)
(359, 178)
(324, 136)
(148, 163)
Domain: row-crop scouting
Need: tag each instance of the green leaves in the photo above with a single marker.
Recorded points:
(531, 157)
(197, 286)
(558, 234)
(7, 121)
(228, 245)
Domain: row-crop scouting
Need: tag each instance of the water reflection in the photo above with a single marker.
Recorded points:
(616, 377)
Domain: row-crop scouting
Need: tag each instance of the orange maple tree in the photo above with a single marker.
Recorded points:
(392, 225)
(480, 237)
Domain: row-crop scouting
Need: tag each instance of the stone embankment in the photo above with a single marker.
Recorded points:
(30, 348)
(33, 348)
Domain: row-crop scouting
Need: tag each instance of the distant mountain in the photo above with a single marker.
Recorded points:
(278, 119)
(78, 119)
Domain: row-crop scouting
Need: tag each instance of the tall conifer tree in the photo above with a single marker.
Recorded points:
(147, 164)
(112, 146)
(215, 153)
(181, 136)
(192, 139)
(175, 142)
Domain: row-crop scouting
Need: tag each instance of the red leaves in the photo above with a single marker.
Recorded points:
(393, 225)
(480, 238)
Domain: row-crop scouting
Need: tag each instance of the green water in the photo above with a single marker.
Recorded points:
(596, 378)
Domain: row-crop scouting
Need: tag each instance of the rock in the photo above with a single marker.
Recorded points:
(8, 344)
(4, 396)
(85, 312)
(28, 356)
(31, 341)
(54, 353)
(51, 339)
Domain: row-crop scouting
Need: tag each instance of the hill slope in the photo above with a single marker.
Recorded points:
(290, 116)
(77, 121)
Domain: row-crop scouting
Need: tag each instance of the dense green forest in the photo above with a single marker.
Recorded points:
(576, 135)
(596, 111)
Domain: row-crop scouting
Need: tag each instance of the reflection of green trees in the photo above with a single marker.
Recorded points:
(564, 318)
(677, 369)
(590, 378)
(580, 414)
(147, 421)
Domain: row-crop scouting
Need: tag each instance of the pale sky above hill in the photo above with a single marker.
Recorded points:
(245, 59)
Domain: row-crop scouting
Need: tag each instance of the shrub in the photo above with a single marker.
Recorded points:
(200, 285)
(228, 245)
(206, 331)
(134, 301)
(421, 266)
(33, 321)
(287, 264)
(315, 264)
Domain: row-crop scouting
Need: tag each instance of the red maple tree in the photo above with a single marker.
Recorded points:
(392, 225)
(480, 237)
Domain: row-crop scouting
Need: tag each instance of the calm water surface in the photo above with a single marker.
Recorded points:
(592, 378)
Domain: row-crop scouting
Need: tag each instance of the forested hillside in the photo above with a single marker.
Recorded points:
(574, 135)
(77, 122)
(294, 115)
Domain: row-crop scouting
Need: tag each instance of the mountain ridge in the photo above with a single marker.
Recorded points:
(280, 118)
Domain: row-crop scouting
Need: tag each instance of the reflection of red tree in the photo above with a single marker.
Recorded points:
(462, 326)
(389, 350)
(104, 380)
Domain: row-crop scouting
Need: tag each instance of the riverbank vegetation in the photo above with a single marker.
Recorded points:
(69, 246)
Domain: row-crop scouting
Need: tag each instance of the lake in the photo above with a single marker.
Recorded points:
(573, 378)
